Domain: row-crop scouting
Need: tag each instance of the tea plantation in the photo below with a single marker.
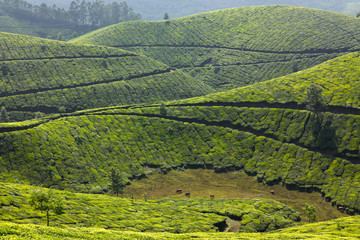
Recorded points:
(38, 75)
(300, 148)
(239, 46)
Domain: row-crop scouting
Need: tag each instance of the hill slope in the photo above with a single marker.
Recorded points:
(164, 215)
(51, 76)
(278, 142)
(240, 46)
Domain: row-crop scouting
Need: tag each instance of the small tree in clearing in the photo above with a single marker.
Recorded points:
(310, 213)
(46, 202)
(166, 16)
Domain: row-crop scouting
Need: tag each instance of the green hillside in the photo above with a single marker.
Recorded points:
(277, 142)
(239, 46)
(164, 215)
(47, 76)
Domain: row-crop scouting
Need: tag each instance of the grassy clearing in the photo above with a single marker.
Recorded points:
(203, 183)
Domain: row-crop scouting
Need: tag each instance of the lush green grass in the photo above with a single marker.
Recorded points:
(240, 46)
(51, 76)
(164, 215)
(344, 228)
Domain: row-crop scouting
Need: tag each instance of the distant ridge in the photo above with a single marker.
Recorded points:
(240, 46)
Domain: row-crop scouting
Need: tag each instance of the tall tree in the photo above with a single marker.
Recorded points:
(117, 181)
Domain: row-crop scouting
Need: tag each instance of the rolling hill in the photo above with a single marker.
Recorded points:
(39, 75)
(238, 47)
(277, 139)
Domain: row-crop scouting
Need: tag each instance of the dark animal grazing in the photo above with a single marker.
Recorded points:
(272, 192)
(179, 191)
(212, 196)
(187, 194)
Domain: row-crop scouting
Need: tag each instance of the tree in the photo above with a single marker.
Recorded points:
(358, 14)
(166, 17)
(163, 110)
(60, 37)
(4, 116)
(310, 213)
(314, 99)
(46, 202)
(117, 181)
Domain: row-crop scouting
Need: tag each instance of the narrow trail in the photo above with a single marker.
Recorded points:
(68, 57)
(328, 51)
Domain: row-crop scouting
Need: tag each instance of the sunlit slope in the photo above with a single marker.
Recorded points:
(52, 76)
(239, 46)
(279, 141)
(338, 79)
(164, 215)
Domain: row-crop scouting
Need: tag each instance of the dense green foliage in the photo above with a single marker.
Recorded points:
(167, 215)
(51, 76)
(344, 228)
(221, 48)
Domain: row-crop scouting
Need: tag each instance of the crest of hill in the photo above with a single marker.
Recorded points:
(240, 46)
(38, 75)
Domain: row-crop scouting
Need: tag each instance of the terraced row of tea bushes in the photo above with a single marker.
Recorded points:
(277, 28)
(176, 216)
(225, 69)
(147, 89)
(346, 228)
(76, 152)
(335, 134)
(183, 57)
(37, 75)
(338, 79)
(22, 47)
(224, 78)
